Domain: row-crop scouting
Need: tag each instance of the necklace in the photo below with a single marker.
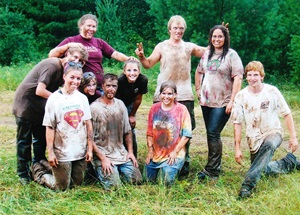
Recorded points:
(218, 53)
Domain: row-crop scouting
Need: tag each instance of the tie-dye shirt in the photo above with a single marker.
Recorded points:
(218, 80)
(166, 128)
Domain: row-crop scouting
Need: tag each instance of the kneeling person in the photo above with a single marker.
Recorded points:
(110, 122)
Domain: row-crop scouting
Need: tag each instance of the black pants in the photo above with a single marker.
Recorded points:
(29, 133)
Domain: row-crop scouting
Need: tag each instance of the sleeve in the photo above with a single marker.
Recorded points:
(237, 111)
(150, 122)
(200, 68)
(106, 49)
(282, 107)
(186, 128)
(144, 85)
(50, 118)
(47, 72)
(236, 64)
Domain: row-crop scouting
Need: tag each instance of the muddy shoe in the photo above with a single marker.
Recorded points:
(24, 181)
(38, 170)
(46, 165)
(245, 193)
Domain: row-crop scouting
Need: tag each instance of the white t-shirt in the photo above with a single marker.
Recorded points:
(260, 113)
(66, 114)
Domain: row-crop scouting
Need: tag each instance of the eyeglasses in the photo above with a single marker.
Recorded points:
(79, 65)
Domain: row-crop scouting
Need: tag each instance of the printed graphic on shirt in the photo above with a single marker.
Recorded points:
(213, 65)
(73, 118)
(265, 105)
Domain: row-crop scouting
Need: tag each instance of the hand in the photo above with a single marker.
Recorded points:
(172, 158)
(132, 121)
(226, 25)
(107, 166)
(149, 155)
(293, 144)
(131, 156)
(239, 156)
(89, 156)
(229, 107)
(198, 93)
(140, 50)
(52, 160)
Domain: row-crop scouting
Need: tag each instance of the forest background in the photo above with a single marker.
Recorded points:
(267, 31)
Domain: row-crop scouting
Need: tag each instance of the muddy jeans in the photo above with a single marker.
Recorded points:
(261, 162)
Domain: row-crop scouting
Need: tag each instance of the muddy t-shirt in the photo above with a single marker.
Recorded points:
(175, 65)
(110, 123)
(66, 115)
(260, 113)
(218, 77)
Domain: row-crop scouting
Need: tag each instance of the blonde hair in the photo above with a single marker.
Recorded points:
(177, 19)
(255, 66)
(131, 61)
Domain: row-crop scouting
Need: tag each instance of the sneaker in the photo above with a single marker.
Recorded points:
(291, 157)
(24, 181)
(245, 193)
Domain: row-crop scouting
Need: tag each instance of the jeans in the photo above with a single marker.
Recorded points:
(168, 172)
(261, 162)
(215, 120)
(125, 171)
(29, 133)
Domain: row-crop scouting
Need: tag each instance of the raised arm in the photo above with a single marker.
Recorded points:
(60, 50)
(151, 60)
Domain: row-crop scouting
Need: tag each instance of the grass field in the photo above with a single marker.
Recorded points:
(274, 195)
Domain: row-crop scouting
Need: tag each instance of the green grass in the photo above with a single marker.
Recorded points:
(274, 195)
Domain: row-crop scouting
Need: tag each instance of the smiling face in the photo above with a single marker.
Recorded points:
(132, 71)
(88, 29)
(167, 97)
(72, 79)
(254, 79)
(218, 39)
(110, 88)
(90, 88)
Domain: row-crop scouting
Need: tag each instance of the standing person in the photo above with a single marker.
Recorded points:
(96, 47)
(169, 130)
(69, 134)
(110, 123)
(174, 56)
(29, 107)
(259, 105)
(131, 87)
(88, 87)
(223, 70)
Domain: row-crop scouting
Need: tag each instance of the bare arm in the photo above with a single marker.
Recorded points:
(198, 51)
(150, 149)
(237, 84)
(135, 107)
(119, 56)
(42, 91)
(151, 60)
(198, 82)
(90, 140)
(172, 156)
(50, 133)
(60, 50)
(293, 143)
(237, 142)
(128, 141)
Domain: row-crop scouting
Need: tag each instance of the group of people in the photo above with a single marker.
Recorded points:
(88, 124)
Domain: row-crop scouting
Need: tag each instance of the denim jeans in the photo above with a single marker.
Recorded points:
(168, 172)
(215, 120)
(261, 161)
(125, 171)
(29, 133)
